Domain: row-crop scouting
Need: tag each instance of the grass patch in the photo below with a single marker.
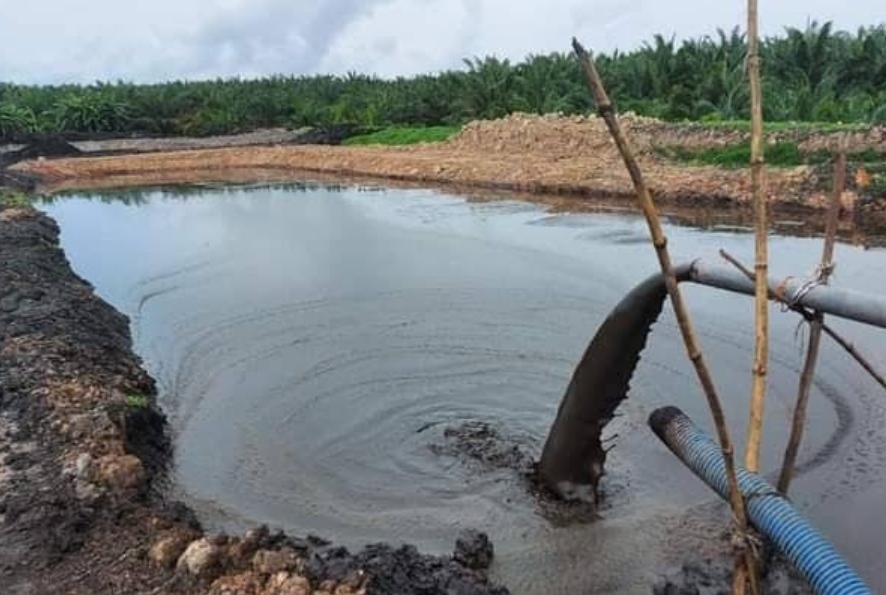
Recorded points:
(10, 198)
(781, 154)
(745, 126)
(136, 401)
(404, 135)
(877, 171)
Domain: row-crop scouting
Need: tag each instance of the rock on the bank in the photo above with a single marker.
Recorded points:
(166, 550)
(200, 558)
(473, 550)
(121, 473)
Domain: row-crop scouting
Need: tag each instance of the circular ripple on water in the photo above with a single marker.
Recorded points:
(321, 413)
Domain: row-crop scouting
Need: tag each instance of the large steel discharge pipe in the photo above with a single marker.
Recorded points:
(852, 305)
(573, 457)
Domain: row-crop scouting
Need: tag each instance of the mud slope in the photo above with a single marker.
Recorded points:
(82, 456)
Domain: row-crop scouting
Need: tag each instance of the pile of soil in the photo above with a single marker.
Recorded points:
(46, 146)
(43, 146)
(569, 136)
(597, 175)
(104, 144)
(329, 135)
(554, 155)
(84, 448)
(560, 136)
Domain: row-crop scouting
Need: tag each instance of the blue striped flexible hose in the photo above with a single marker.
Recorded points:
(770, 512)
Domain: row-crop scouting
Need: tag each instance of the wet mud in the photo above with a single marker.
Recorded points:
(714, 577)
(484, 446)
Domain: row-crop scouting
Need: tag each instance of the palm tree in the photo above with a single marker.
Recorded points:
(488, 88)
(15, 119)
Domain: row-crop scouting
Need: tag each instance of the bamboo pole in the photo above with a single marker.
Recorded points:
(850, 348)
(779, 295)
(748, 572)
(659, 241)
(815, 330)
(761, 257)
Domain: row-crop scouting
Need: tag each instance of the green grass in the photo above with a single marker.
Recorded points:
(877, 172)
(136, 401)
(9, 198)
(780, 154)
(745, 126)
(404, 135)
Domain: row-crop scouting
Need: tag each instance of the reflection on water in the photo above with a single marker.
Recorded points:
(312, 342)
(787, 220)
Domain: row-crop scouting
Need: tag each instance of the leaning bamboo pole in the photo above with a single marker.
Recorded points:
(684, 321)
(761, 257)
(815, 330)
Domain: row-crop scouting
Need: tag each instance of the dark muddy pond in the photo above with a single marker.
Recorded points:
(312, 344)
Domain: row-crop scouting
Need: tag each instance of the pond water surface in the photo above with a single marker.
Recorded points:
(310, 343)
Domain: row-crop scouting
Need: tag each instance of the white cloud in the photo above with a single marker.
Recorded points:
(149, 40)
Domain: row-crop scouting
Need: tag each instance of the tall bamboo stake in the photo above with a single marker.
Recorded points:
(761, 257)
(659, 241)
(815, 329)
(761, 267)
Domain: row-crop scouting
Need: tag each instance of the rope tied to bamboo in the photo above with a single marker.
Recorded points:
(825, 270)
(819, 278)
(807, 286)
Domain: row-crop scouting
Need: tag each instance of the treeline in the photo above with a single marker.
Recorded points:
(816, 74)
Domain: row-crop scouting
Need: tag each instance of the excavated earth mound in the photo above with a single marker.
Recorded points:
(554, 155)
(47, 146)
(569, 136)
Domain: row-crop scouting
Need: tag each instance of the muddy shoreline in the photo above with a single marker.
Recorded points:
(84, 450)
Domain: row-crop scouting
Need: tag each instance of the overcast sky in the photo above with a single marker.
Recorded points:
(51, 41)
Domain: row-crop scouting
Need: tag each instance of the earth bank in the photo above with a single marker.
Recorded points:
(549, 154)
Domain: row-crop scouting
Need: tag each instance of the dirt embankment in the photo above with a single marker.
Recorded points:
(83, 450)
(539, 154)
(106, 143)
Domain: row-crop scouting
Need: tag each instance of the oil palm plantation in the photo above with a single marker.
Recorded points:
(816, 73)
